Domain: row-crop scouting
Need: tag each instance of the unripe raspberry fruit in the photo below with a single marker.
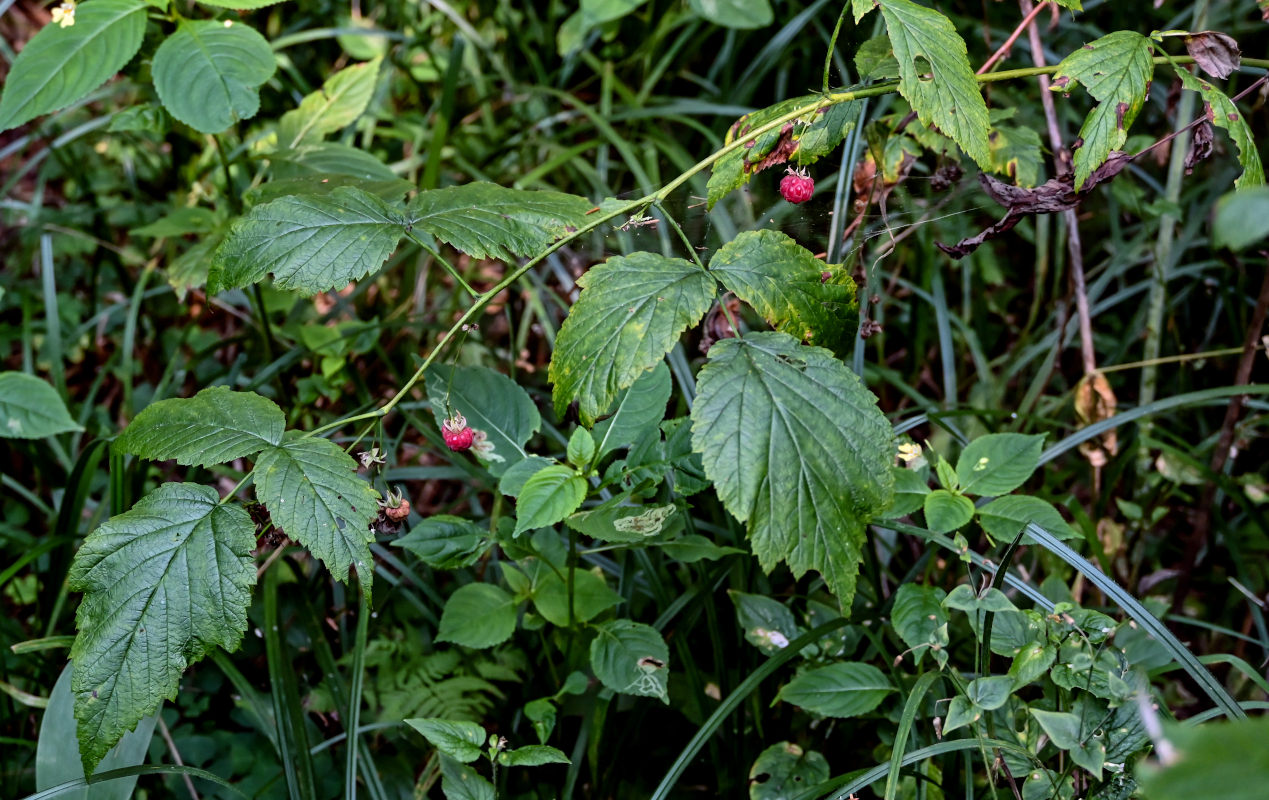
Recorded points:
(797, 186)
(457, 435)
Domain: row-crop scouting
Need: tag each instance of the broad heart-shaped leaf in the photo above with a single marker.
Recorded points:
(946, 511)
(214, 426)
(784, 770)
(342, 98)
(485, 220)
(459, 739)
(1116, 70)
(31, 409)
(1224, 114)
(792, 289)
(163, 584)
(547, 497)
(61, 65)
(310, 243)
(478, 615)
(639, 409)
(795, 446)
(1005, 516)
(208, 74)
(492, 403)
(311, 488)
(839, 690)
(550, 593)
(631, 658)
(935, 76)
(998, 463)
(803, 141)
(629, 315)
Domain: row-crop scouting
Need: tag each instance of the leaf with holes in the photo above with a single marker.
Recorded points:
(61, 65)
(796, 447)
(163, 584)
(310, 243)
(214, 426)
(485, 220)
(1224, 114)
(31, 409)
(208, 74)
(792, 289)
(1116, 70)
(935, 76)
(631, 311)
(313, 493)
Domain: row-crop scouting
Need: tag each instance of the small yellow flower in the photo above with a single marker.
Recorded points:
(64, 14)
(909, 452)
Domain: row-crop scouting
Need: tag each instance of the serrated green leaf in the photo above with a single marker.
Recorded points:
(61, 65)
(214, 426)
(1016, 152)
(310, 243)
(846, 689)
(1116, 70)
(998, 463)
(485, 220)
(789, 287)
(796, 447)
(784, 771)
(163, 584)
(512, 481)
(324, 160)
(946, 511)
(547, 497)
(581, 448)
(935, 76)
(342, 98)
(31, 409)
(478, 615)
(910, 490)
(445, 541)
(917, 615)
(461, 740)
(802, 141)
(1222, 113)
(739, 14)
(631, 658)
(532, 755)
(1003, 517)
(629, 315)
(208, 74)
(617, 521)
(637, 411)
(874, 60)
(860, 8)
(493, 404)
(311, 488)
(550, 594)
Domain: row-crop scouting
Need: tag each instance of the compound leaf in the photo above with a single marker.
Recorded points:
(208, 74)
(61, 65)
(485, 220)
(31, 409)
(935, 76)
(630, 313)
(214, 426)
(1224, 114)
(163, 584)
(792, 289)
(795, 446)
(1116, 70)
(312, 491)
(310, 243)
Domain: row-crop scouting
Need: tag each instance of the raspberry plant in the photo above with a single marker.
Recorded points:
(772, 447)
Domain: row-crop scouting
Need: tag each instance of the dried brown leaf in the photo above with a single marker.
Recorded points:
(1216, 53)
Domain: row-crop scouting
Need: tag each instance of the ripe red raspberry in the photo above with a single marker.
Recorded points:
(797, 186)
(457, 435)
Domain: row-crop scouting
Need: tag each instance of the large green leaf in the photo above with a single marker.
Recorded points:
(309, 243)
(1116, 70)
(630, 313)
(631, 658)
(792, 289)
(784, 770)
(208, 74)
(485, 220)
(998, 463)
(547, 497)
(936, 78)
(214, 426)
(327, 160)
(311, 488)
(461, 740)
(61, 65)
(478, 615)
(342, 98)
(1005, 516)
(31, 409)
(1224, 114)
(445, 542)
(639, 409)
(795, 446)
(163, 584)
(838, 690)
(493, 404)
(591, 595)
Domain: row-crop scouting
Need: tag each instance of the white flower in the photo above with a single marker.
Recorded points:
(64, 14)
